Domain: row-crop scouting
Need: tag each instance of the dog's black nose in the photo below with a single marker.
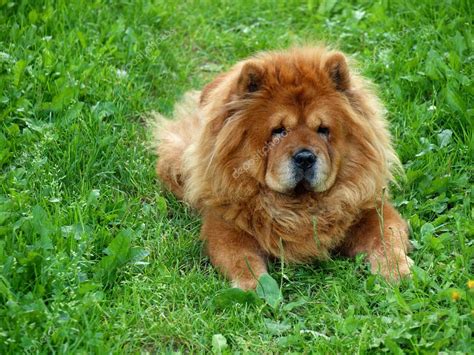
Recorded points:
(304, 159)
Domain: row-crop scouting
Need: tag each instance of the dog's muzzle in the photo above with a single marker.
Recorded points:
(304, 166)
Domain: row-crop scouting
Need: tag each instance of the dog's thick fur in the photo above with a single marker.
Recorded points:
(219, 155)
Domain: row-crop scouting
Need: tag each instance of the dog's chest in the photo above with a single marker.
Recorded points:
(302, 235)
(297, 232)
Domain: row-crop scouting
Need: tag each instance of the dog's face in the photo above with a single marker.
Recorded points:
(293, 113)
(290, 124)
(303, 153)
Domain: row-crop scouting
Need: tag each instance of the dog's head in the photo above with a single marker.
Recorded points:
(292, 122)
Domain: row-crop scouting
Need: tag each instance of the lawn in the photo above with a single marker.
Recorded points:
(96, 257)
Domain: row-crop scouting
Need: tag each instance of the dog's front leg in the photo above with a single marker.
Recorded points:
(235, 253)
(383, 235)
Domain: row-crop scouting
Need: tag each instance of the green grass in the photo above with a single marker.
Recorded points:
(95, 257)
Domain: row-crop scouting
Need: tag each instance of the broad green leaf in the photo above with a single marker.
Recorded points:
(104, 109)
(5, 288)
(326, 6)
(88, 286)
(82, 39)
(74, 111)
(33, 16)
(454, 100)
(77, 231)
(40, 222)
(62, 99)
(161, 205)
(106, 266)
(119, 248)
(118, 254)
(419, 274)
(219, 343)
(18, 70)
(427, 229)
(275, 327)
(292, 305)
(444, 137)
(401, 301)
(393, 346)
(4, 216)
(459, 43)
(13, 130)
(93, 197)
(268, 289)
(137, 255)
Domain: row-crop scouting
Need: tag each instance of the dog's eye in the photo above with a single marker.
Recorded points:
(278, 131)
(324, 131)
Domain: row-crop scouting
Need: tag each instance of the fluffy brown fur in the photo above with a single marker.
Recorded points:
(232, 153)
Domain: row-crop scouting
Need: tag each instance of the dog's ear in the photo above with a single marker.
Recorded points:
(206, 91)
(250, 78)
(338, 70)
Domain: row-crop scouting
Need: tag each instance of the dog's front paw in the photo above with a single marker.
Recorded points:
(391, 264)
(245, 284)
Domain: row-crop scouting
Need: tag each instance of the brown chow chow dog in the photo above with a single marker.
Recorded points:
(286, 155)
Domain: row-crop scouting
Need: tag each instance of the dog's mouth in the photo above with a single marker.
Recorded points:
(304, 179)
(296, 181)
(303, 187)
